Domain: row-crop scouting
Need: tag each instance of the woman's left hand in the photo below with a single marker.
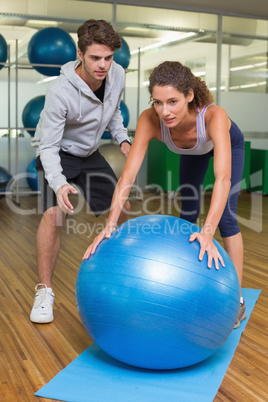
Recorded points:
(207, 245)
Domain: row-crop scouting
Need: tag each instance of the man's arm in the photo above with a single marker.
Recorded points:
(50, 131)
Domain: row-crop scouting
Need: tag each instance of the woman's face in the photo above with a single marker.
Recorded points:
(170, 104)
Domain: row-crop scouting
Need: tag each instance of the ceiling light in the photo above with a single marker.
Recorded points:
(264, 63)
(41, 23)
(222, 88)
(47, 79)
(241, 67)
(253, 85)
(248, 66)
(163, 42)
(199, 73)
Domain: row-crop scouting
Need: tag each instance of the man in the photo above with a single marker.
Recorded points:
(79, 105)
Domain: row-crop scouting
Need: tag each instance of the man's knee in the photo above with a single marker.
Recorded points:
(54, 217)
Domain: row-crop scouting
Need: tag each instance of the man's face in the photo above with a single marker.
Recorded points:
(96, 62)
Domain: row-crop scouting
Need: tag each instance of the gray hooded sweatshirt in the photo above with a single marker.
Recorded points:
(74, 119)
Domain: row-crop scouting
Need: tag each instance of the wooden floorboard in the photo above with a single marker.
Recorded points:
(31, 355)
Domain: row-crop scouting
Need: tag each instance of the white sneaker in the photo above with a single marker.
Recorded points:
(42, 311)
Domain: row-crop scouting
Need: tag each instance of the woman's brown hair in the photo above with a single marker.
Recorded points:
(181, 77)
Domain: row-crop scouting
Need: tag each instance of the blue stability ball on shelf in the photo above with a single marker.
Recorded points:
(106, 135)
(122, 56)
(51, 46)
(5, 177)
(125, 114)
(3, 51)
(31, 113)
(32, 176)
(146, 299)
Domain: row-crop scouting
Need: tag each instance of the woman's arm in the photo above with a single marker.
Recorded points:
(146, 130)
(217, 125)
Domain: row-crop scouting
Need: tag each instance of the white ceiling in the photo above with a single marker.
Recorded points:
(17, 16)
(19, 19)
(249, 8)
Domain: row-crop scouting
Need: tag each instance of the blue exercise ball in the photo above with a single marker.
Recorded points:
(5, 177)
(32, 176)
(125, 114)
(106, 135)
(122, 55)
(51, 46)
(31, 113)
(146, 299)
(3, 51)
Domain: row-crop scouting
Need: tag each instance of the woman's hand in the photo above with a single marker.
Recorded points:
(207, 245)
(104, 234)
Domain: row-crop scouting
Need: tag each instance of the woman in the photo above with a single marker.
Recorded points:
(184, 117)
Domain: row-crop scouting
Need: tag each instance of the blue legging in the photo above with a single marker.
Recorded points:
(192, 173)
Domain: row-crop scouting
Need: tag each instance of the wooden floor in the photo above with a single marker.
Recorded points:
(31, 355)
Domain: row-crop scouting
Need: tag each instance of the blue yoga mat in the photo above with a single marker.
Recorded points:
(95, 376)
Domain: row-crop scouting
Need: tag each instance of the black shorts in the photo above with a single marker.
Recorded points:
(93, 176)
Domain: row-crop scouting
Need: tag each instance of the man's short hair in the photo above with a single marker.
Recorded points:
(97, 31)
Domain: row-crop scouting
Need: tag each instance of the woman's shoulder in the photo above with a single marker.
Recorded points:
(215, 112)
(216, 117)
(149, 115)
(148, 124)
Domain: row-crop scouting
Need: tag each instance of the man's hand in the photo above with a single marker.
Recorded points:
(63, 199)
(125, 148)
